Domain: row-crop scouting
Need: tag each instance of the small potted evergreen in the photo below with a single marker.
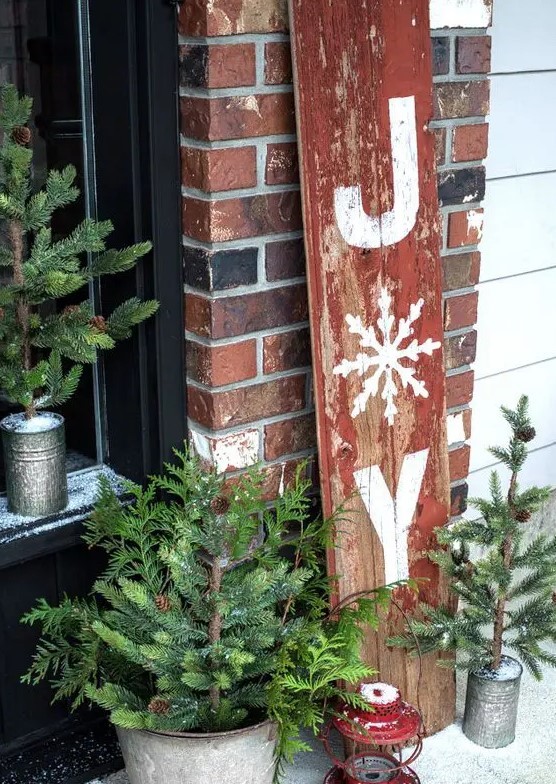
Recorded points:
(506, 590)
(209, 637)
(43, 348)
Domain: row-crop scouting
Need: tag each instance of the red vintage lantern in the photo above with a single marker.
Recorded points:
(389, 724)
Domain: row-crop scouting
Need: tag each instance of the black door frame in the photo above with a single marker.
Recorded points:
(133, 47)
(135, 109)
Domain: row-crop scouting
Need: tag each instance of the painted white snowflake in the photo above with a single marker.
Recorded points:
(388, 356)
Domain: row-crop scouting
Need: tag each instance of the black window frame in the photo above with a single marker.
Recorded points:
(133, 54)
(134, 74)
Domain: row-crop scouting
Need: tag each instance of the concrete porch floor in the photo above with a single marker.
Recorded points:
(449, 758)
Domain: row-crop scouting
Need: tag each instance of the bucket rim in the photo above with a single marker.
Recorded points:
(205, 735)
(485, 674)
(20, 415)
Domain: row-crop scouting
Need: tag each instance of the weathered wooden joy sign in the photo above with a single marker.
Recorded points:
(364, 100)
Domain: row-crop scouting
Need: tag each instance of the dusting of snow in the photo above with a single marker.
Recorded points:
(509, 670)
(41, 423)
(380, 693)
(82, 494)
(388, 356)
(231, 452)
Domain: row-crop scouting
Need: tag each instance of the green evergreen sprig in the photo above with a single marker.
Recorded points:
(506, 591)
(35, 344)
(212, 612)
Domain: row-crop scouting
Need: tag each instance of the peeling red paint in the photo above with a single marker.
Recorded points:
(369, 53)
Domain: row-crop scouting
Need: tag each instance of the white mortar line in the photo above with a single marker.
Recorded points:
(239, 38)
(239, 193)
(244, 242)
(239, 291)
(225, 341)
(237, 92)
(219, 144)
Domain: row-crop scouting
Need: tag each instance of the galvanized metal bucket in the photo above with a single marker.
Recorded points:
(491, 707)
(35, 466)
(239, 757)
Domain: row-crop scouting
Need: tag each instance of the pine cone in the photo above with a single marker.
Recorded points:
(99, 323)
(159, 705)
(469, 569)
(523, 515)
(220, 505)
(69, 309)
(526, 434)
(21, 135)
(163, 603)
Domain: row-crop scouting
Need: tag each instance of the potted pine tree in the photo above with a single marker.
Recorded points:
(209, 637)
(506, 591)
(42, 352)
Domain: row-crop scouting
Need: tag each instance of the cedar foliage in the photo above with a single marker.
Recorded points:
(35, 342)
(506, 592)
(202, 620)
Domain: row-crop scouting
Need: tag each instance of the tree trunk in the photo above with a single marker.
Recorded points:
(502, 601)
(15, 233)
(215, 624)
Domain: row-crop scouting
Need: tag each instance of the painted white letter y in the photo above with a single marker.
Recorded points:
(392, 520)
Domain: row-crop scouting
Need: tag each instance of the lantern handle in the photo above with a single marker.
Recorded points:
(418, 748)
(324, 736)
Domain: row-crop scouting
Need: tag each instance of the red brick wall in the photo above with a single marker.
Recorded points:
(248, 348)
(461, 63)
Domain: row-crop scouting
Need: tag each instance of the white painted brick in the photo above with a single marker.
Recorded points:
(230, 452)
(456, 428)
(460, 13)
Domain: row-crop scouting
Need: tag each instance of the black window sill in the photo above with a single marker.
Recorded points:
(22, 538)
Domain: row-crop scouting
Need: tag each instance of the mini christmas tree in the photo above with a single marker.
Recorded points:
(201, 622)
(507, 590)
(35, 343)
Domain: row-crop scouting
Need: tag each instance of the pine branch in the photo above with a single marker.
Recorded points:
(114, 261)
(59, 388)
(15, 110)
(128, 315)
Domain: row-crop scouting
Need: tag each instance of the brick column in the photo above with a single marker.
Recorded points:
(461, 63)
(248, 355)
(248, 349)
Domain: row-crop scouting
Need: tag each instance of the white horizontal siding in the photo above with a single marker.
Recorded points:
(540, 469)
(524, 35)
(489, 427)
(516, 351)
(520, 229)
(517, 322)
(522, 122)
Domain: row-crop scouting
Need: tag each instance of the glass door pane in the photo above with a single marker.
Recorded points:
(44, 50)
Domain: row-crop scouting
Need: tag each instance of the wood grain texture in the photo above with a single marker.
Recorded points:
(350, 60)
